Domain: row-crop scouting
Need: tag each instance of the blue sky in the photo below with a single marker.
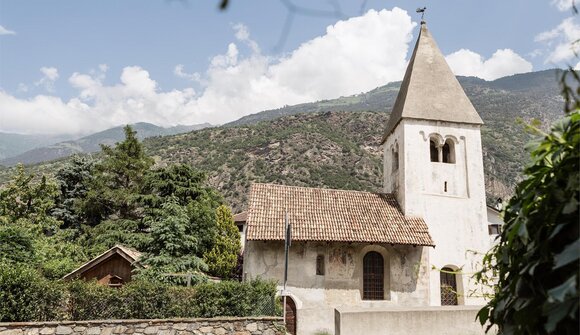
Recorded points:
(81, 66)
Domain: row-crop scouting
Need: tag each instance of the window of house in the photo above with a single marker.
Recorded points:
(494, 229)
(395, 158)
(448, 287)
(434, 151)
(320, 265)
(373, 276)
(449, 152)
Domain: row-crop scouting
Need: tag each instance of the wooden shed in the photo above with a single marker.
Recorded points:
(112, 268)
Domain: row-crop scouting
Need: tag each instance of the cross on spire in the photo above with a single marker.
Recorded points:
(422, 11)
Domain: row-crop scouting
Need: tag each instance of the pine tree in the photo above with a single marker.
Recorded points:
(223, 257)
(118, 180)
(171, 250)
(73, 179)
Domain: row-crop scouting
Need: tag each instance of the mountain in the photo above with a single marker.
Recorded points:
(15, 144)
(92, 143)
(335, 143)
(527, 87)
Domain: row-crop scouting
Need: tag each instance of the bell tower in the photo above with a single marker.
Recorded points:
(433, 163)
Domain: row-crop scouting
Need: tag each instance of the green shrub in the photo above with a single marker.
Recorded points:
(146, 300)
(26, 296)
(229, 298)
(91, 301)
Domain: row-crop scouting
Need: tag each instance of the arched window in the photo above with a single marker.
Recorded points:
(448, 287)
(449, 151)
(373, 276)
(434, 151)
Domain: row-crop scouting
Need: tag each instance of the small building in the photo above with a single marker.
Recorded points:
(494, 220)
(112, 268)
(240, 220)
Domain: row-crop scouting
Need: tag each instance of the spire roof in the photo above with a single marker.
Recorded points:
(430, 90)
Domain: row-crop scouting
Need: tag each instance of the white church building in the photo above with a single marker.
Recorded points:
(414, 245)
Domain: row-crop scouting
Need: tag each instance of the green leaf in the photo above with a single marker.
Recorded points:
(568, 255)
(560, 292)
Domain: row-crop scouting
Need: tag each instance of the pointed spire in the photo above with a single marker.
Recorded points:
(430, 90)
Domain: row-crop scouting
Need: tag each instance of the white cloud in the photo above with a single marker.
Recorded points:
(563, 5)
(4, 31)
(562, 41)
(503, 62)
(180, 72)
(353, 56)
(49, 76)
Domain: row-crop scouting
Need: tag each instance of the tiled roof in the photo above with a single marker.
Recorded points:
(318, 214)
(241, 217)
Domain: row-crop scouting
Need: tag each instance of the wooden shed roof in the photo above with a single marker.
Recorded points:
(129, 254)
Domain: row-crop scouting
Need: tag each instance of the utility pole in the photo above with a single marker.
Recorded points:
(287, 242)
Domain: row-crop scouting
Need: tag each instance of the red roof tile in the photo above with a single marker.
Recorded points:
(318, 214)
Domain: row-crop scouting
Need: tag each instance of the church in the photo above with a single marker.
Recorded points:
(413, 245)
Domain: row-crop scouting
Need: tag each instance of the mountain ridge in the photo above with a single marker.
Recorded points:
(91, 143)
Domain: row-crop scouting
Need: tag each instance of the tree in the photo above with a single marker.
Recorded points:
(117, 180)
(15, 245)
(223, 257)
(28, 200)
(171, 250)
(536, 261)
(187, 187)
(73, 179)
(179, 181)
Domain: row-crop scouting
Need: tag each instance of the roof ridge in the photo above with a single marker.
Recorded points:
(323, 188)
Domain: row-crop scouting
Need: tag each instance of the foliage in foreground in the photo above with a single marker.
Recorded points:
(536, 261)
(25, 295)
(167, 212)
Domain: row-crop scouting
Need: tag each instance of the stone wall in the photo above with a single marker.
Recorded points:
(213, 326)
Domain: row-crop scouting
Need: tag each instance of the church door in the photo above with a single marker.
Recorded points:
(290, 316)
(373, 276)
(448, 288)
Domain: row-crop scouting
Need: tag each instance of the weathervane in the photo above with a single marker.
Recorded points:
(422, 11)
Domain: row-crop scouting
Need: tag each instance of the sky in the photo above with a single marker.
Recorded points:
(72, 67)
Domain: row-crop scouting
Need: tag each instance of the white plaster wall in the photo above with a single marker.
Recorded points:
(448, 320)
(406, 277)
(457, 219)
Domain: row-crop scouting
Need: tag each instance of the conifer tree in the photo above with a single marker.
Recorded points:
(223, 257)
(117, 180)
(73, 179)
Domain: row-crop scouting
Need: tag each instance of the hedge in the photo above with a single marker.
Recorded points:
(26, 296)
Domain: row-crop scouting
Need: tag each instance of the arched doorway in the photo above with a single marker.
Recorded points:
(373, 276)
(290, 316)
(448, 287)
